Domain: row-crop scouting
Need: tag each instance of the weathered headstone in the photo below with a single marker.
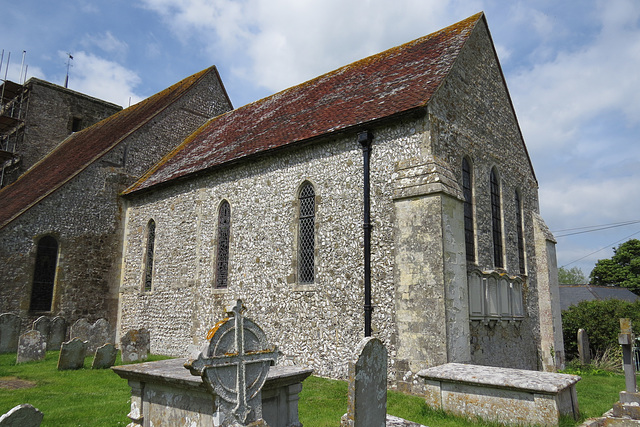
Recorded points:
(58, 333)
(23, 415)
(43, 325)
(583, 347)
(31, 346)
(234, 366)
(626, 339)
(72, 354)
(96, 335)
(135, 345)
(105, 357)
(9, 332)
(367, 399)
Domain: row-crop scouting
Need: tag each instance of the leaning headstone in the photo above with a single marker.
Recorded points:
(72, 354)
(43, 325)
(135, 345)
(367, 398)
(31, 346)
(105, 357)
(58, 333)
(583, 347)
(234, 366)
(9, 332)
(81, 329)
(23, 415)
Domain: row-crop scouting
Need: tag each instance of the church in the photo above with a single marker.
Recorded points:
(414, 154)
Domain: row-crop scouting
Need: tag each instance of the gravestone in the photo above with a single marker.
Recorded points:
(583, 347)
(58, 333)
(72, 354)
(135, 345)
(629, 405)
(367, 399)
(43, 325)
(9, 332)
(234, 366)
(96, 335)
(23, 415)
(105, 357)
(31, 346)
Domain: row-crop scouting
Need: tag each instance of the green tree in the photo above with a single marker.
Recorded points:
(572, 276)
(622, 269)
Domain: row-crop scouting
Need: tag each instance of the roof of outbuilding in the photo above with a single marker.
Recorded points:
(574, 294)
(396, 81)
(80, 149)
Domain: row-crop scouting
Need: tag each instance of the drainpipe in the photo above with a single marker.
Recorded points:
(365, 138)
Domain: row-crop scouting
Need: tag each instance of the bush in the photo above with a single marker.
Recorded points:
(600, 320)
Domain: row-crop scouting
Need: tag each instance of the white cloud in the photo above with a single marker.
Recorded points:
(103, 79)
(108, 43)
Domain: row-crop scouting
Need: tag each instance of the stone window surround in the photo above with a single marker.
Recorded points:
(473, 206)
(500, 201)
(218, 247)
(495, 296)
(522, 242)
(297, 286)
(59, 258)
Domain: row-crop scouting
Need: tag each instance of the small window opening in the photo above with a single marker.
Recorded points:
(306, 235)
(222, 256)
(76, 124)
(44, 274)
(148, 268)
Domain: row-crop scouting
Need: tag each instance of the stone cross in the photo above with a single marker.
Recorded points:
(626, 339)
(234, 366)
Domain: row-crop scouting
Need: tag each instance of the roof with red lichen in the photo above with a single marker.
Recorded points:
(81, 149)
(399, 80)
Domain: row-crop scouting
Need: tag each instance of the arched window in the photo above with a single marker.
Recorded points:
(520, 232)
(467, 192)
(222, 255)
(306, 234)
(148, 263)
(496, 219)
(44, 274)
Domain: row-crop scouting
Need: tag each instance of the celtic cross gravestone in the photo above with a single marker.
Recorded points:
(234, 366)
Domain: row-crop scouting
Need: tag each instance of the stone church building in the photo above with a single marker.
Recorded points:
(266, 203)
(61, 220)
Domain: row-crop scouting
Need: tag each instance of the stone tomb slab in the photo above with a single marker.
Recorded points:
(9, 332)
(72, 354)
(164, 391)
(509, 396)
(23, 415)
(105, 357)
(31, 347)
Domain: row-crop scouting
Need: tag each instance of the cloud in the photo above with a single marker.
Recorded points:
(107, 42)
(103, 79)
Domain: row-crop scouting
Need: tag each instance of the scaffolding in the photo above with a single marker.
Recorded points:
(12, 114)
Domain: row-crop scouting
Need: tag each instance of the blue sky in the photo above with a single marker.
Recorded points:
(572, 68)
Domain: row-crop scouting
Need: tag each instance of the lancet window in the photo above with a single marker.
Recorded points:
(306, 234)
(496, 219)
(222, 254)
(467, 191)
(148, 264)
(520, 233)
(44, 274)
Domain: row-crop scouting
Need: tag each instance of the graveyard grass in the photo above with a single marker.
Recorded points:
(89, 397)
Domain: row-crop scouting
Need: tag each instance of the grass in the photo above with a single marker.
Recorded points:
(89, 397)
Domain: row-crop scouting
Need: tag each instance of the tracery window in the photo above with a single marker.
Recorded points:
(148, 264)
(306, 234)
(496, 219)
(520, 233)
(44, 274)
(222, 254)
(467, 191)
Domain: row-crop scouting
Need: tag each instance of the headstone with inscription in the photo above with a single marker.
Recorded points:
(234, 366)
(9, 332)
(135, 345)
(72, 354)
(105, 357)
(367, 398)
(23, 415)
(57, 334)
(31, 346)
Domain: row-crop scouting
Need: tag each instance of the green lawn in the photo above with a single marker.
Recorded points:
(100, 398)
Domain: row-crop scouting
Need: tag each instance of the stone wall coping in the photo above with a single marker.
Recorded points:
(173, 372)
(515, 379)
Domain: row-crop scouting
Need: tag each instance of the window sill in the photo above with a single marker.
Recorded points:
(305, 288)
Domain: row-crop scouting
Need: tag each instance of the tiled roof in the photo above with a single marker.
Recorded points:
(395, 81)
(574, 294)
(81, 149)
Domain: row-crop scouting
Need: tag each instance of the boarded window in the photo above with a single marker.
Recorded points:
(467, 190)
(222, 254)
(148, 265)
(44, 274)
(496, 219)
(306, 234)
